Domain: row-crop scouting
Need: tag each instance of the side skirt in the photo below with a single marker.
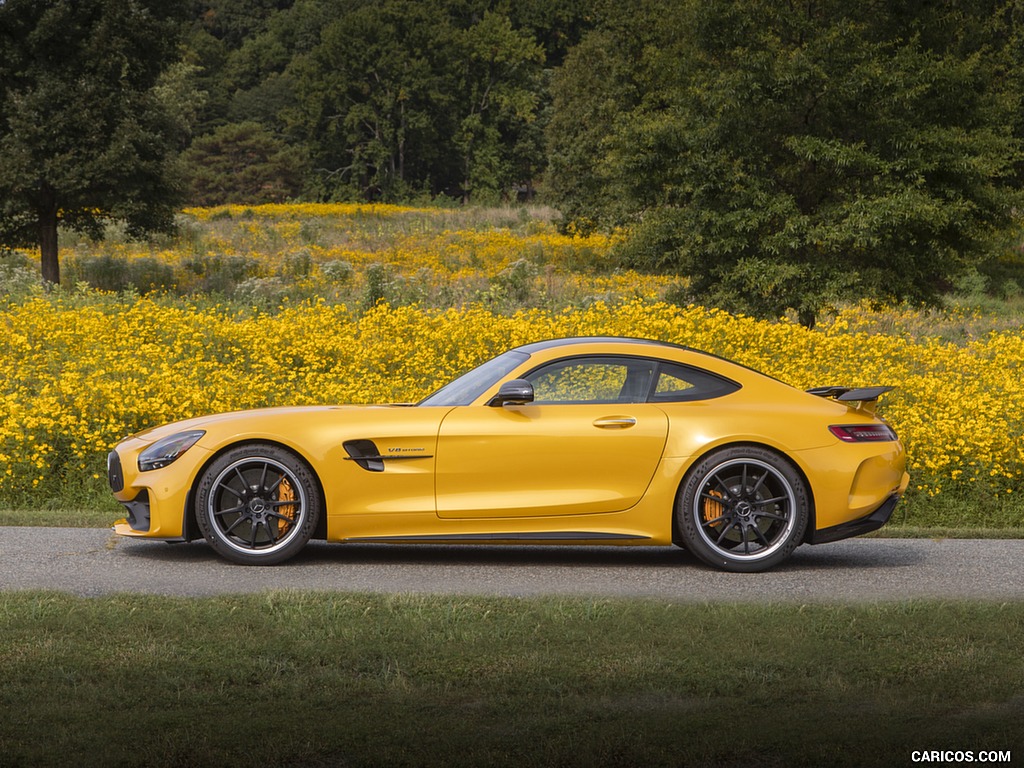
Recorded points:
(543, 536)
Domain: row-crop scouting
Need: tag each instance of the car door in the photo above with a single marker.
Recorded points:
(587, 444)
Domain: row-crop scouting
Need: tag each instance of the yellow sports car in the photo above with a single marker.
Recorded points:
(570, 441)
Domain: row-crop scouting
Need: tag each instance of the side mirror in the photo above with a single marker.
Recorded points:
(513, 392)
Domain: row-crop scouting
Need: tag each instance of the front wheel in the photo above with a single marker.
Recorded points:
(742, 509)
(258, 504)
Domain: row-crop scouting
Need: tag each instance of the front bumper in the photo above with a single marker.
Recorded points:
(156, 501)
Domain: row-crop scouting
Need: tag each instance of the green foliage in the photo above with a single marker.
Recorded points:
(391, 99)
(786, 157)
(178, 93)
(378, 285)
(18, 279)
(498, 80)
(235, 21)
(216, 274)
(84, 135)
(374, 101)
(243, 164)
(335, 678)
(113, 273)
(512, 286)
(401, 96)
(778, 158)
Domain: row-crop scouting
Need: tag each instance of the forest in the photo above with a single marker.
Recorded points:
(779, 157)
(372, 100)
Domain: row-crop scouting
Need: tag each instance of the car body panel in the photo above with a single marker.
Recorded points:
(587, 472)
(542, 460)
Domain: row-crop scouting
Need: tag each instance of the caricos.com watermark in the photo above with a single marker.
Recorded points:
(960, 756)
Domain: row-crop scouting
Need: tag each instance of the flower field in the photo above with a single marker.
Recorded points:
(85, 367)
(361, 254)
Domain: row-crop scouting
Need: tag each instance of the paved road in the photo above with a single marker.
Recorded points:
(93, 562)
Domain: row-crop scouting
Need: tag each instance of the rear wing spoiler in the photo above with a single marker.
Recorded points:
(862, 398)
(851, 394)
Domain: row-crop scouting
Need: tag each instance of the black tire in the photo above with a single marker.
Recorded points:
(258, 504)
(742, 509)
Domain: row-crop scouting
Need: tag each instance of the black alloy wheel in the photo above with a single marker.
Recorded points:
(258, 504)
(742, 509)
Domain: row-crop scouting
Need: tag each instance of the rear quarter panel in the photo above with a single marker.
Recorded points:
(847, 481)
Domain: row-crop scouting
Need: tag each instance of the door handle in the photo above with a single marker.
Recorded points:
(615, 422)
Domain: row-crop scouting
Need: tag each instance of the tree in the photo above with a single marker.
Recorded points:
(589, 94)
(498, 98)
(84, 136)
(790, 155)
(390, 99)
(400, 97)
(374, 100)
(235, 21)
(242, 163)
(242, 47)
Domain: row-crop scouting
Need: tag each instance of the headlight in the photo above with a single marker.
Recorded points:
(165, 451)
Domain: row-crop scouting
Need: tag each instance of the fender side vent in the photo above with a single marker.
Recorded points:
(365, 454)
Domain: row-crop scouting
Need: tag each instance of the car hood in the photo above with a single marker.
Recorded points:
(250, 416)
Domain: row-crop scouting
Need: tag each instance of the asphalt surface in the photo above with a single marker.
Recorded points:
(91, 562)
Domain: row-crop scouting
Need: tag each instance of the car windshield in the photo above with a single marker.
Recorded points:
(469, 386)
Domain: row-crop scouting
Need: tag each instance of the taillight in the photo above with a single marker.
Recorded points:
(863, 433)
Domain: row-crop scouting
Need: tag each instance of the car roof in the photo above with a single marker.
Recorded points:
(571, 341)
(537, 346)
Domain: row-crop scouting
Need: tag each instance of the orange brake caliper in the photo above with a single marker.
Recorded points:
(285, 492)
(713, 509)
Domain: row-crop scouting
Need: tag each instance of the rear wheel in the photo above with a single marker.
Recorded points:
(742, 509)
(258, 504)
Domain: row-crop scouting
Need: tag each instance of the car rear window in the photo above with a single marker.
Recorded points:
(681, 383)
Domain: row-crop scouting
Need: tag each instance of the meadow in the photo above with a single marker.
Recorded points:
(311, 679)
(249, 307)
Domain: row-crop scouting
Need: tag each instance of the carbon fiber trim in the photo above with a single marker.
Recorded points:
(538, 536)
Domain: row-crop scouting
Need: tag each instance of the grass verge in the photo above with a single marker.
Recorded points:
(354, 680)
(61, 518)
(942, 532)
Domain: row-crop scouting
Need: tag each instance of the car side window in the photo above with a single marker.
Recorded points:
(608, 379)
(593, 380)
(680, 383)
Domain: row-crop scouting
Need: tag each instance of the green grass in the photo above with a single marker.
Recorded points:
(61, 518)
(939, 532)
(353, 680)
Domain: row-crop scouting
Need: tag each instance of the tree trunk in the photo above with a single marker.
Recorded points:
(401, 145)
(466, 161)
(48, 238)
